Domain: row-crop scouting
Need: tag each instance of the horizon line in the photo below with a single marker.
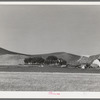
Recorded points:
(47, 53)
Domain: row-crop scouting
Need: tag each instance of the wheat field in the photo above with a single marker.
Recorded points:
(37, 81)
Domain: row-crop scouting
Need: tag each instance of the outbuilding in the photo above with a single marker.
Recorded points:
(83, 66)
(96, 63)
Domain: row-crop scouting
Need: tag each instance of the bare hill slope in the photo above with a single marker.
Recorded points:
(66, 56)
(12, 58)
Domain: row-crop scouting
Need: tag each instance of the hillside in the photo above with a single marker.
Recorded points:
(93, 57)
(66, 56)
(83, 59)
(12, 58)
(4, 51)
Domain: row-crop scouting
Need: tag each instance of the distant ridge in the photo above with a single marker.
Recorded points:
(5, 51)
(8, 57)
(13, 58)
(66, 56)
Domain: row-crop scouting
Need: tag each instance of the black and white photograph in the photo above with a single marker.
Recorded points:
(50, 48)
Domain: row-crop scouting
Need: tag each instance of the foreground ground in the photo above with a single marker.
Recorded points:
(36, 68)
(37, 81)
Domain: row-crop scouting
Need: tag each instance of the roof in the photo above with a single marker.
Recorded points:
(94, 65)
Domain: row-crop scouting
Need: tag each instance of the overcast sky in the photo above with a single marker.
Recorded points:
(45, 29)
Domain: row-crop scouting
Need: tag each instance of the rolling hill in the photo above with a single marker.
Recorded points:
(89, 59)
(93, 57)
(66, 56)
(13, 58)
(4, 51)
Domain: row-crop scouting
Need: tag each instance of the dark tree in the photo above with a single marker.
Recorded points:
(38, 60)
(34, 60)
(26, 60)
(51, 60)
(62, 61)
(30, 60)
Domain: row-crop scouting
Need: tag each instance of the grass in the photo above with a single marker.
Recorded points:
(34, 78)
(37, 81)
(35, 68)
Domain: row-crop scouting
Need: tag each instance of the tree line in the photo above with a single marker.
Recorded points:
(49, 60)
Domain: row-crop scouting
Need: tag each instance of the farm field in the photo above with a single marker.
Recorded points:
(45, 81)
(36, 68)
(34, 78)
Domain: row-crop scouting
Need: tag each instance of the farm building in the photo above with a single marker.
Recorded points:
(94, 66)
(83, 66)
(63, 66)
(83, 62)
(95, 63)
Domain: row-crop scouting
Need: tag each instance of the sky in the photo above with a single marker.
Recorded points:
(38, 29)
